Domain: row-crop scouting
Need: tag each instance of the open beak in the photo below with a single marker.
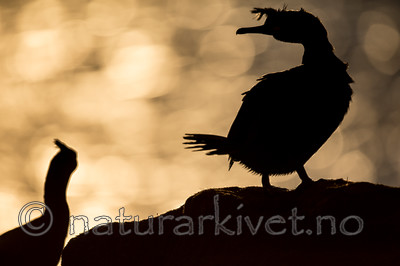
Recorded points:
(258, 29)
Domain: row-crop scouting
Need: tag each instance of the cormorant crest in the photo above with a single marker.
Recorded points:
(61, 145)
(260, 12)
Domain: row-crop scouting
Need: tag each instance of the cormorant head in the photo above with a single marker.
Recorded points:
(61, 167)
(65, 160)
(288, 26)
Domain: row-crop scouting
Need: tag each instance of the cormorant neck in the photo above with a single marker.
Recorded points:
(55, 190)
(318, 52)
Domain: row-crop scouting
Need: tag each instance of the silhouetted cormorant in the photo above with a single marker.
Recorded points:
(286, 117)
(17, 247)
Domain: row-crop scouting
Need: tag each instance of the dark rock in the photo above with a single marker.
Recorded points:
(331, 222)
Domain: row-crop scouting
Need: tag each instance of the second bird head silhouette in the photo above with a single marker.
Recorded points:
(61, 167)
(64, 161)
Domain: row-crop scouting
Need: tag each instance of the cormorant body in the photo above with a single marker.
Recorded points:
(287, 116)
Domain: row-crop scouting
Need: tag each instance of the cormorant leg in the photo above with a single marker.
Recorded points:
(265, 181)
(305, 179)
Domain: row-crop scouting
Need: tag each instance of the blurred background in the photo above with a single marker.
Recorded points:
(121, 81)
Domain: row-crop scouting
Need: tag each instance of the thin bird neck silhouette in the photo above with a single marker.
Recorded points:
(28, 246)
(55, 188)
(57, 179)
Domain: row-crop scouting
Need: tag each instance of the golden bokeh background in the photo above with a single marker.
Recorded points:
(121, 81)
